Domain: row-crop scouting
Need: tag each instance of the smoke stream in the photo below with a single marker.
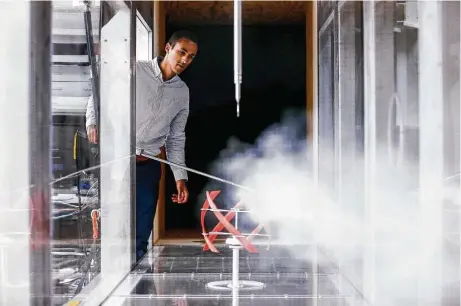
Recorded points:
(279, 168)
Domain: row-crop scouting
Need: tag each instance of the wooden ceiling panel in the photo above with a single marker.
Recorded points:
(222, 12)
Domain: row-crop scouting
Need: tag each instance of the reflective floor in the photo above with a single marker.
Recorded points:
(180, 275)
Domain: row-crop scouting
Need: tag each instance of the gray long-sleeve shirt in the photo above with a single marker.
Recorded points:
(162, 109)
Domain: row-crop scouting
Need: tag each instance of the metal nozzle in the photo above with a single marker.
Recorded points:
(237, 51)
(237, 98)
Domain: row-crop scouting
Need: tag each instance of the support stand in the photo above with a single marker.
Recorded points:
(236, 242)
(236, 285)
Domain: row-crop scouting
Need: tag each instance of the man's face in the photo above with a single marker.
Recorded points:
(181, 55)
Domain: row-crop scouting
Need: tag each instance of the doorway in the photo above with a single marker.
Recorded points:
(274, 82)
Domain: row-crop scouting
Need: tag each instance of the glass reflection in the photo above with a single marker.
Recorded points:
(326, 105)
(75, 196)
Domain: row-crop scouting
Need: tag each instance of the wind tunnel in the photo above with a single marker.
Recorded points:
(273, 77)
(380, 81)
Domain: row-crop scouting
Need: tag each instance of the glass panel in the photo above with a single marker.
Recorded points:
(394, 158)
(326, 109)
(350, 124)
(451, 74)
(92, 151)
(451, 77)
(75, 190)
(143, 40)
(25, 272)
(325, 10)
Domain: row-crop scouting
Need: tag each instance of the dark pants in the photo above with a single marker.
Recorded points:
(148, 175)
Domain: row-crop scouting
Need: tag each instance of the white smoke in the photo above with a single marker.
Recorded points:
(297, 211)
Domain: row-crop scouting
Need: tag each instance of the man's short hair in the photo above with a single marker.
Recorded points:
(182, 34)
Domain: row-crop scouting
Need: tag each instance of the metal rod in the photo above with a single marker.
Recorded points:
(141, 152)
(370, 146)
(230, 234)
(235, 275)
(237, 51)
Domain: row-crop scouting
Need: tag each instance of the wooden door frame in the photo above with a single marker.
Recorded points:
(311, 71)
(159, 33)
(158, 48)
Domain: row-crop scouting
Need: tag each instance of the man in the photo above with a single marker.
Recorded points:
(162, 109)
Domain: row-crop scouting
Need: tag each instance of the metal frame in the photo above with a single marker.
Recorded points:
(337, 104)
(326, 24)
(40, 152)
(132, 128)
(25, 164)
(149, 29)
(315, 139)
(345, 108)
(370, 148)
(327, 145)
(138, 16)
(346, 94)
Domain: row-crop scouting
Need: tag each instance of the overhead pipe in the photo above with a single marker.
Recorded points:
(238, 51)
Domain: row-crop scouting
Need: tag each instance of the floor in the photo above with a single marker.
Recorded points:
(179, 275)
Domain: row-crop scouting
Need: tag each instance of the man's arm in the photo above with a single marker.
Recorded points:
(91, 121)
(90, 113)
(176, 142)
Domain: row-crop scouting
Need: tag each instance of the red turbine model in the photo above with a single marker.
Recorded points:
(224, 222)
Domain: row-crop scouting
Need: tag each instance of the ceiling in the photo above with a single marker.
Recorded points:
(222, 12)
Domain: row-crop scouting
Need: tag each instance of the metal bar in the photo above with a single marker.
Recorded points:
(312, 18)
(346, 95)
(132, 125)
(238, 51)
(235, 275)
(369, 15)
(230, 234)
(338, 107)
(327, 22)
(226, 210)
(39, 152)
(341, 3)
(25, 83)
(153, 298)
(152, 156)
(431, 150)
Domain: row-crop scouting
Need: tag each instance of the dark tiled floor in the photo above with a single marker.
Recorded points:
(179, 276)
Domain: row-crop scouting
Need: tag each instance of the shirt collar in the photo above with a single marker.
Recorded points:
(158, 72)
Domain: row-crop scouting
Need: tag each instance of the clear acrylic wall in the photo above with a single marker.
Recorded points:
(75, 198)
(100, 236)
(66, 223)
(389, 131)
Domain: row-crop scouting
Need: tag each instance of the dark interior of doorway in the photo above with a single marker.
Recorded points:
(274, 81)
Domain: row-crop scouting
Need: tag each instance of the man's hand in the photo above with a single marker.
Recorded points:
(92, 134)
(183, 194)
